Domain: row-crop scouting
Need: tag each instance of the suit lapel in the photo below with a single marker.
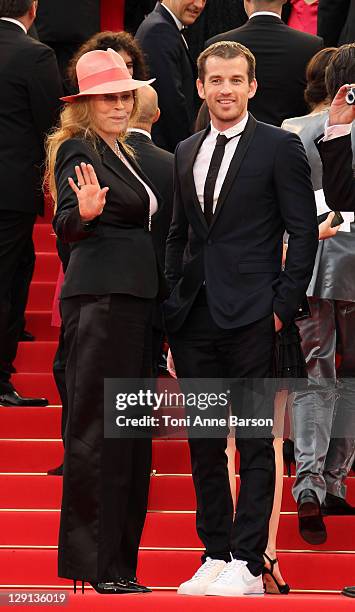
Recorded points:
(166, 15)
(189, 180)
(235, 164)
(111, 161)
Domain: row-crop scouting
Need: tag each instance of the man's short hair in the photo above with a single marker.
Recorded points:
(14, 8)
(341, 69)
(226, 50)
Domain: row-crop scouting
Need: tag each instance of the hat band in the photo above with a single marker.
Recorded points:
(105, 76)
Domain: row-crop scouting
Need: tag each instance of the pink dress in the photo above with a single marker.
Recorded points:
(304, 16)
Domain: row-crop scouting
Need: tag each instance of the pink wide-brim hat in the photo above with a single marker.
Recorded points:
(103, 72)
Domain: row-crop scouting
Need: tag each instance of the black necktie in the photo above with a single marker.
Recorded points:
(212, 175)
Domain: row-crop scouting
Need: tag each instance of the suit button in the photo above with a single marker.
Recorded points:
(209, 242)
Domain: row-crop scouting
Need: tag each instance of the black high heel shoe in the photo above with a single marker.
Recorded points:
(82, 586)
(271, 585)
(122, 585)
(288, 451)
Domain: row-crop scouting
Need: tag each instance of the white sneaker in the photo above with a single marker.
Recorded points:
(199, 582)
(235, 581)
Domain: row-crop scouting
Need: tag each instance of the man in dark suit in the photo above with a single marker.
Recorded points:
(160, 36)
(337, 156)
(281, 53)
(336, 21)
(29, 98)
(158, 166)
(238, 186)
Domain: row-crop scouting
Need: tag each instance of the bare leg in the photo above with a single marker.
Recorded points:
(280, 405)
(230, 452)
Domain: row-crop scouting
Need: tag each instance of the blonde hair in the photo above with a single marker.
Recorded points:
(76, 121)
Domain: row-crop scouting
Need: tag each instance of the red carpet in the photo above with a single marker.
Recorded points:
(170, 551)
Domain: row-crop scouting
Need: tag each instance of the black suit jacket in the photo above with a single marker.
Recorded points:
(267, 189)
(282, 54)
(336, 21)
(29, 100)
(158, 166)
(338, 174)
(170, 62)
(114, 253)
(67, 21)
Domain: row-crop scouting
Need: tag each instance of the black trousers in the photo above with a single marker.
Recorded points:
(17, 260)
(203, 350)
(106, 481)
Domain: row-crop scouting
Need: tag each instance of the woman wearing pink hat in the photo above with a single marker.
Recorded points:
(103, 209)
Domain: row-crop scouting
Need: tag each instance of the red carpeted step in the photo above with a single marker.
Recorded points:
(171, 457)
(40, 325)
(44, 238)
(166, 600)
(166, 531)
(46, 268)
(37, 385)
(41, 295)
(25, 492)
(166, 493)
(35, 356)
(16, 455)
(23, 456)
(311, 571)
(29, 422)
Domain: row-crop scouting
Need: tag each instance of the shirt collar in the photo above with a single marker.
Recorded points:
(179, 24)
(270, 13)
(19, 23)
(232, 131)
(139, 131)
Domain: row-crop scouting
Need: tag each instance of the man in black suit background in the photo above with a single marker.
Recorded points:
(281, 53)
(29, 98)
(65, 25)
(336, 22)
(158, 166)
(161, 38)
(238, 185)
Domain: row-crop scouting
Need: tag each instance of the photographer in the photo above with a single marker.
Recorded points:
(335, 151)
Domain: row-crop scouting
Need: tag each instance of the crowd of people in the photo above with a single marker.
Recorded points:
(192, 203)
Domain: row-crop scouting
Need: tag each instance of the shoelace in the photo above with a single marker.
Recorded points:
(226, 575)
(205, 568)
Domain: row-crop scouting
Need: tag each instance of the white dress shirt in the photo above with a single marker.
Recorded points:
(139, 131)
(153, 202)
(19, 23)
(179, 23)
(204, 157)
(271, 13)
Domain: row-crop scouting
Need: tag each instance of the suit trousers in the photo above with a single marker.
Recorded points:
(16, 269)
(324, 415)
(106, 481)
(203, 350)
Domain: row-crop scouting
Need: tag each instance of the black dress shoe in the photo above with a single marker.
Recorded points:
(120, 586)
(26, 336)
(349, 591)
(310, 521)
(12, 398)
(58, 471)
(334, 505)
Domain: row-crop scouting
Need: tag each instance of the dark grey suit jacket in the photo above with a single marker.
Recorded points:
(170, 63)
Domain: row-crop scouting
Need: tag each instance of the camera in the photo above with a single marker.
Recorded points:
(350, 96)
